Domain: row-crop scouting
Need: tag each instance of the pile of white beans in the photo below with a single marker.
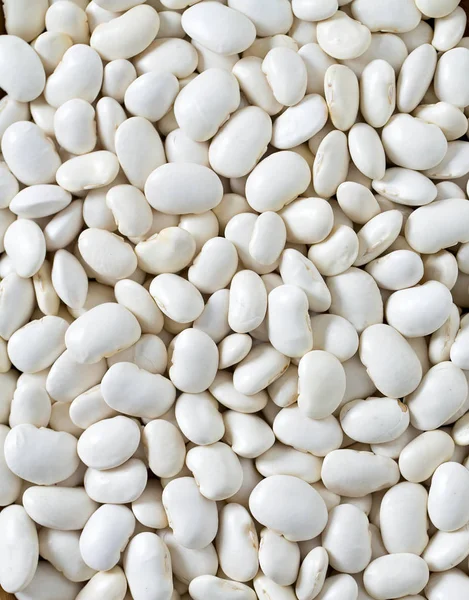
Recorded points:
(234, 300)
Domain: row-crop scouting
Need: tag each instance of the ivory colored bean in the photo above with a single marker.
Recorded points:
(136, 392)
(356, 474)
(41, 456)
(317, 62)
(403, 17)
(454, 164)
(112, 583)
(61, 549)
(357, 202)
(273, 504)
(442, 340)
(164, 448)
(279, 558)
(198, 418)
(377, 235)
(217, 470)
(10, 486)
(307, 220)
(179, 147)
(151, 95)
(105, 536)
(68, 378)
(283, 460)
(127, 35)
(342, 96)
(138, 300)
(215, 265)
(248, 435)
(215, 92)
(168, 251)
(407, 187)
(48, 578)
(321, 384)
(312, 574)
(237, 534)
(64, 226)
(148, 508)
(183, 188)
(154, 580)
(377, 93)
(448, 70)
(447, 116)
(56, 507)
(29, 154)
(458, 350)
(395, 575)
(286, 75)
(289, 326)
(407, 320)
(445, 549)
(22, 75)
(75, 126)
(374, 420)
(254, 84)
(69, 279)
(412, 143)
(39, 201)
(427, 408)
(167, 54)
(420, 458)
(109, 443)
(19, 549)
(336, 253)
(446, 506)
(89, 407)
(192, 517)
(366, 150)
(78, 75)
(335, 335)
(331, 163)
(68, 19)
(196, 348)
(177, 298)
(430, 8)
(205, 586)
(26, 247)
(262, 366)
(118, 75)
(267, 588)
(139, 150)
(415, 76)
(342, 37)
(248, 302)
(346, 539)
(277, 180)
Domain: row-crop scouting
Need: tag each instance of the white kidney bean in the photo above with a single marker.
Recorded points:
(279, 558)
(289, 326)
(26, 247)
(312, 574)
(403, 17)
(427, 410)
(342, 37)
(386, 578)
(447, 74)
(110, 582)
(192, 517)
(446, 507)
(41, 456)
(21, 72)
(68, 378)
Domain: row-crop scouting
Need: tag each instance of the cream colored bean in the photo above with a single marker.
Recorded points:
(273, 505)
(284, 390)
(168, 251)
(282, 460)
(216, 92)
(266, 588)
(430, 8)
(105, 536)
(319, 437)
(403, 308)
(266, 190)
(215, 266)
(442, 340)
(109, 443)
(248, 435)
(233, 348)
(403, 518)
(148, 508)
(362, 306)
(56, 507)
(101, 332)
(356, 474)
(279, 558)
(41, 456)
(64, 226)
(449, 30)
(366, 150)
(405, 139)
(38, 344)
(446, 549)
(263, 365)
(177, 298)
(342, 37)
(196, 348)
(407, 187)
(198, 418)
(107, 254)
(335, 335)
(427, 409)
(39, 201)
(89, 407)
(346, 539)
(234, 155)
(88, 171)
(16, 303)
(68, 19)
(21, 71)
(110, 582)
(69, 279)
(164, 448)
(224, 391)
(139, 149)
(214, 319)
(179, 147)
(78, 75)
(320, 399)
(19, 549)
(75, 126)
(109, 115)
(307, 220)
(357, 202)
(180, 188)
(29, 154)
(317, 62)
(312, 574)
(342, 96)
(254, 84)
(415, 77)
(377, 92)
(30, 404)
(205, 586)
(167, 54)
(300, 122)
(447, 116)
(61, 549)
(25, 245)
(337, 252)
(217, 470)
(68, 378)
(192, 517)
(286, 75)
(153, 395)
(268, 238)
(138, 300)
(448, 70)
(248, 302)
(404, 18)
(237, 533)
(151, 95)
(331, 164)
(454, 164)
(374, 420)
(289, 326)
(386, 578)
(118, 75)
(446, 507)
